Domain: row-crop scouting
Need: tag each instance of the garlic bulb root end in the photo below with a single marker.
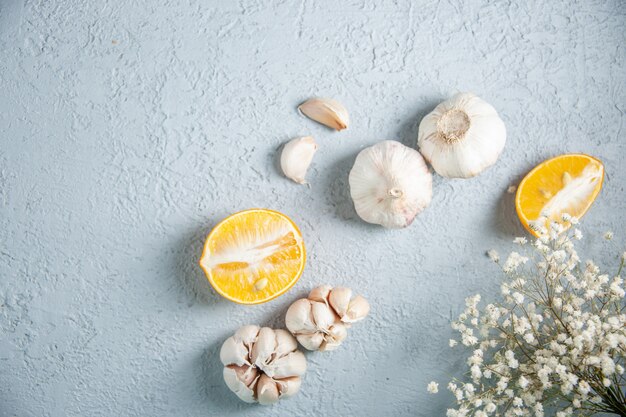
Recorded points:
(462, 136)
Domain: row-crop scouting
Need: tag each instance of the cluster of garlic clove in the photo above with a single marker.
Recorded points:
(390, 184)
(262, 365)
(321, 321)
(462, 136)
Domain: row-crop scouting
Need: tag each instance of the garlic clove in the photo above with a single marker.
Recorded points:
(292, 364)
(323, 315)
(311, 341)
(246, 374)
(234, 352)
(263, 348)
(339, 300)
(298, 319)
(288, 387)
(266, 391)
(247, 334)
(244, 391)
(390, 184)
(462, 136)
(357, 310)
(285, 343)
(326, 111)
(296, 158)
(320, 293)
(337, 334)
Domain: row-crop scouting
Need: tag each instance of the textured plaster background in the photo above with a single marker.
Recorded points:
(129, 128)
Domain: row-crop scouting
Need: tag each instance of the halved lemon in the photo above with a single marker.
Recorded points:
(566, 184)
(253, 256)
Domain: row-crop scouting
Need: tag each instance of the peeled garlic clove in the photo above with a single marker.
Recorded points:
(234, 352)
(339, 300)
(326, 111)
(263, 348)
(320, 293)
(292, 364)
(323, 316)
(462, 136)
(357, 310)
(244, 391)
(285, 343)
(298, 319)
(266, 391)
(296, 158)
(311, 341)
(288, 387)
(390, 184)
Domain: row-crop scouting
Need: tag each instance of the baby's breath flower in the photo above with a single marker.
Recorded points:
(433, 387)
(608, 235)
(514, 261)
(578, 234)
(556, 340)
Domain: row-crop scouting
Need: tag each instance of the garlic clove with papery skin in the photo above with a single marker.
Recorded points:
(323, 316)
(337, 334)
(263, 348)
(288, 386)
(311, 341)
(296, 157)
(266, 390)
(339, 300)
(320, 294)
(462, 136)
(326, 111)
(239, 383)
(357, 310)
(390, 184)
(292, 364)
(299, 317)
(285, 343)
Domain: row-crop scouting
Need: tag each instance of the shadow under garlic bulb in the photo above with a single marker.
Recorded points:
(262, 365)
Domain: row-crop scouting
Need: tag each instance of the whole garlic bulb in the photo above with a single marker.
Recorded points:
(462, 136)
(390, 184)
(296, 158)
(321, 321)
(262, 365)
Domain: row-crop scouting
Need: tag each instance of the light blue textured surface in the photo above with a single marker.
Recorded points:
(129, 128)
